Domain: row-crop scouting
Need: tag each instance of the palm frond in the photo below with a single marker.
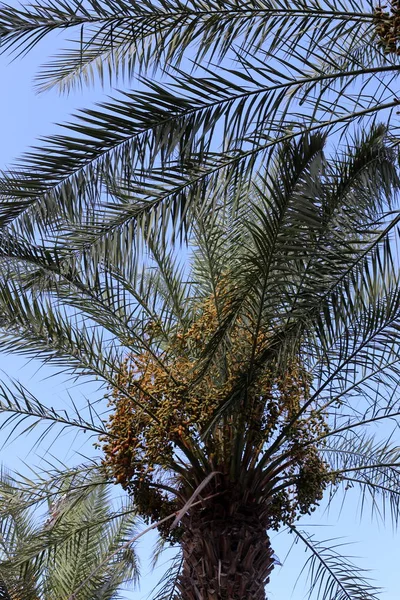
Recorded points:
(333, 575)
(122, 140)
(166, 588)
(372, 466)
(81, 530)
(117, 37)
(21, 405)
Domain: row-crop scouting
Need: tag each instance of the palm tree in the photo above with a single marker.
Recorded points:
(244, 369)
(239, 77)
(78, 549)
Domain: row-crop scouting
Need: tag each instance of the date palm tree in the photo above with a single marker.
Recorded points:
(77, 547)
(248, 371)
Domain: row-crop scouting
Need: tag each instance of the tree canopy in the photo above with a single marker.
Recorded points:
(238, 78)
(248, 367)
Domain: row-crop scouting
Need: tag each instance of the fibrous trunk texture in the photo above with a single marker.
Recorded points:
(227, 554)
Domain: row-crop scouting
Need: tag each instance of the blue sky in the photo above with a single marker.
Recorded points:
(23, 117)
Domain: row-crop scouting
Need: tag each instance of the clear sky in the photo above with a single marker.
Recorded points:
(23, 117)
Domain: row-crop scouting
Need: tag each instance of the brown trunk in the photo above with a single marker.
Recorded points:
(227, 554)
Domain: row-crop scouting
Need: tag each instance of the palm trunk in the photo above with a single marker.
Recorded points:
(227, 554)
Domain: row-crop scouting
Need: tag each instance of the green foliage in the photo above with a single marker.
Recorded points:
(286, 264)
(78, 548)
(192, 239)
(333, 575)
(238, 78)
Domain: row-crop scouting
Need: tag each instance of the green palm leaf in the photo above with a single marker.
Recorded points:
(116, 37)
(331, 574)
(80, 539)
